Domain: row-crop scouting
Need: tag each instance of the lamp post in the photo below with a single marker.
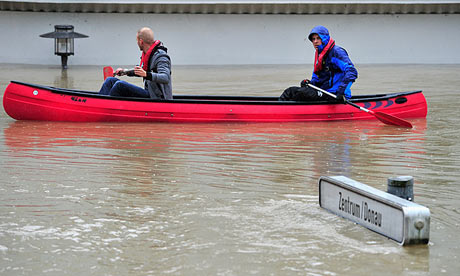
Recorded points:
(63, 41)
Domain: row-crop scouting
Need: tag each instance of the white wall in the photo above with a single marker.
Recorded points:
(232, 39)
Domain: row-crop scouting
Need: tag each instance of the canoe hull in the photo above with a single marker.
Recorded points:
(33, 102)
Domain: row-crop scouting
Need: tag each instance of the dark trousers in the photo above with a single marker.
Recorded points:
(302, 94)
(115, 87)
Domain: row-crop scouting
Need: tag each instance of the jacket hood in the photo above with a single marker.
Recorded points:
(162, 47)
(323, 34)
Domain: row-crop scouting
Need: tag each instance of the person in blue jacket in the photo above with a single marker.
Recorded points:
(333, 71)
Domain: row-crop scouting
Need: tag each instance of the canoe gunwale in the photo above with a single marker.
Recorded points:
(206, 99)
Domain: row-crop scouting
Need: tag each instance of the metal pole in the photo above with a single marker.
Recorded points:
(401, 186)
(64, 61)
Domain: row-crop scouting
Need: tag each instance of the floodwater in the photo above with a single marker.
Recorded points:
(223, 199)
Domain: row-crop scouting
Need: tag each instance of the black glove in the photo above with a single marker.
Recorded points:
(304, 83)
(340, 98)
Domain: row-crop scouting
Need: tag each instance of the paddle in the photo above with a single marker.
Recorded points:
(383, 117)
(108, 72)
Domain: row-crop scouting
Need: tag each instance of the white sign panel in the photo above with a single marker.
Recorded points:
(391, 216)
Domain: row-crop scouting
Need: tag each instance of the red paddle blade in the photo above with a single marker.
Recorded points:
(108, 72)
(392, 120)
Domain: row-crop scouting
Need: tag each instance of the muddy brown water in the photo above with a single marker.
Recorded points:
(223, 199)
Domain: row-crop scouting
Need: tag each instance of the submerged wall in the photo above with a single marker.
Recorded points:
(250, 34)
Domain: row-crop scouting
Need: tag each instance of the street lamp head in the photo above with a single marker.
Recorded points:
(63, 41)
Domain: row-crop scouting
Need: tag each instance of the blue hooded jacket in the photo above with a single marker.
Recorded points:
(338, 73)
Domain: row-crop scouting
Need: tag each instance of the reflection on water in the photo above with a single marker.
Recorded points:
(217, 199)
(63, 80)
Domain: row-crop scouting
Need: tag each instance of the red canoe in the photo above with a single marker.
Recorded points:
(24, 101)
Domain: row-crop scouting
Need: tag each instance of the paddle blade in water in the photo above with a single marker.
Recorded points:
(108, 72)
(392, 120)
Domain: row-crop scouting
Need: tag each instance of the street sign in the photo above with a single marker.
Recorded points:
(398, 219)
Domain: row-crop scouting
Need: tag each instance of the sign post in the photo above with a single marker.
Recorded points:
(398, 219)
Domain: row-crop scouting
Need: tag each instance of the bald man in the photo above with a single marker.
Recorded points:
(155, 69)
